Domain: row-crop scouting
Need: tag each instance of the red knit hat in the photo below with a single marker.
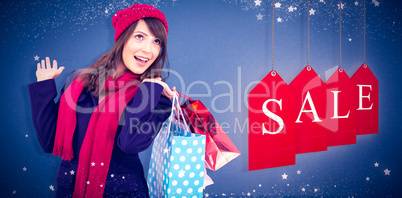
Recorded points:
(124, 18)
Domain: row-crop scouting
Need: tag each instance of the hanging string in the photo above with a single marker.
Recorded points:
(273, 28)
(364, 36)
(308, 32)
(340, 32)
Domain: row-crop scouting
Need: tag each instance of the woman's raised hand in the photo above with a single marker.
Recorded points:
(166, 90)
(45, 71)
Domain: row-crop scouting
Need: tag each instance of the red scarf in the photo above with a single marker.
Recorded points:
(97, 147)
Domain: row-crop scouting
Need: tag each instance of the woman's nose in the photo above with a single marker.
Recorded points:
(147, 46)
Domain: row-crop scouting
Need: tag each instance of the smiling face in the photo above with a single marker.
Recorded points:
(141, 49)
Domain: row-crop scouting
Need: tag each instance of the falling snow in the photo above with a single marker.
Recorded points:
(78, 15)
(81, 15)
(323, 15)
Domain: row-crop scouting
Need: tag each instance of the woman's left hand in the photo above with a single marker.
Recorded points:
(166, 90)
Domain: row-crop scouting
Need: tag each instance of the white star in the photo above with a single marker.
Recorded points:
(312, 11)
(298, 172)
(277, 5)
(279, 19)
(88, 182)
(257, 2)
(248, 194)
(343, 4)
(356, 3)
(259, 16)
(26, 135)
(165, 150)
(206, 195)
(72, 172)
(259, 185)
(65, 173)
(123, 177)
(377, 3)
(287, 184)
(24, 169)
(111, 175)
(367, 178)
(102, 163)
(386, 171)
(303, 189)
(51, 187)
(376, 164)
(14, 192)
(315, 189)
(36, 58)
(106, 11)
(284, 176)
(101, 185)
(350, 39)
(291, 9)
(93, 163)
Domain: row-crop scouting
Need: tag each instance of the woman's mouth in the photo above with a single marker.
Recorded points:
(141, 60)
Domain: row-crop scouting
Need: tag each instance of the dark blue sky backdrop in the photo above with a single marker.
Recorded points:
(226, 44)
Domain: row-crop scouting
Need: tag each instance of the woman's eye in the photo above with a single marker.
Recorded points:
(157, 41)
(139, 37)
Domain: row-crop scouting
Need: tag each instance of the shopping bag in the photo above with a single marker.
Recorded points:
(176, 168)
(219, 148)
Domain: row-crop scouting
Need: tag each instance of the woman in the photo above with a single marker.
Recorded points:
(107, 112)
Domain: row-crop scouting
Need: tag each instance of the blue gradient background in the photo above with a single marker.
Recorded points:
(222, 43)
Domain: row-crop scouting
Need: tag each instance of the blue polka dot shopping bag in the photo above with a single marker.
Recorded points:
(176, 168)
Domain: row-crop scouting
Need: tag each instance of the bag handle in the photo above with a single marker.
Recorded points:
(181, 114)
(172, 114)
(176, 110)
(184, 96)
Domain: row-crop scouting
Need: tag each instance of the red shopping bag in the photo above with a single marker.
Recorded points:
(219, 149)
(271, 133)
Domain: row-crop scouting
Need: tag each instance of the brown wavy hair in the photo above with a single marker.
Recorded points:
(95, 75)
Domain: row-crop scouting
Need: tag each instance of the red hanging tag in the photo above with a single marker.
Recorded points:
(367, 105)
(271, 124)
(341, 111)
(310, 95)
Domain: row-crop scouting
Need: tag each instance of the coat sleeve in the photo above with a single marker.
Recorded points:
(144, 117)
(45, 110)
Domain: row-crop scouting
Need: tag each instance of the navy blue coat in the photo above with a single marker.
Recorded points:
(140, 123)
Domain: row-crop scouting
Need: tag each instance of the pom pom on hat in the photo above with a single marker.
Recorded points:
(124, 18)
